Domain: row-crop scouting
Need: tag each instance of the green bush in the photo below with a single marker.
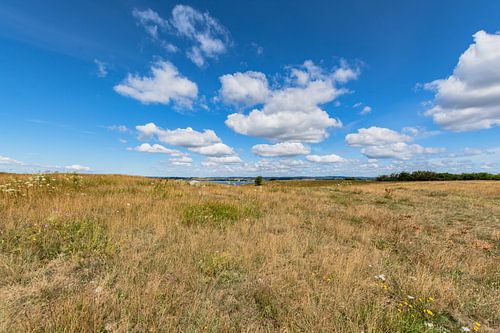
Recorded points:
(259, 180)
(436, 176)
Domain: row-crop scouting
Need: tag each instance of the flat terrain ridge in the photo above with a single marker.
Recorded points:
(129, 254)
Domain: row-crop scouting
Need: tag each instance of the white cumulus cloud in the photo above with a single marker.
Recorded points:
(245, 89)
(157, 149)
(183, 137)
(290, 113)
(380, 142)
(181, 161)
(214, 161)
(281, 149)
(216, 149)
(375, 136)
(164, 85)
(332, 158)
(469, 99)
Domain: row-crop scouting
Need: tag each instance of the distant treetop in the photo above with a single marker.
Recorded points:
(434, 176)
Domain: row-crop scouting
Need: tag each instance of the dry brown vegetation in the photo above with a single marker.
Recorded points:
(131, 254)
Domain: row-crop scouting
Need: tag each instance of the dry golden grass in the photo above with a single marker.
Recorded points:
(130, 254)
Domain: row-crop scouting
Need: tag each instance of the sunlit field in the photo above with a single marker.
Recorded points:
(130, 254)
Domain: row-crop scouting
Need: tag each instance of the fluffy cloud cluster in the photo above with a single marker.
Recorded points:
(156, 149)
(244, 89)
(291, 113)
(164, 85)
(183, 137)
(375, 136)
(379, 142)
(470, 98)
(281, 149)
(218, 160)
(325, 158)
(216, 149)
(399, 150)
(205, 143)
(181, 161)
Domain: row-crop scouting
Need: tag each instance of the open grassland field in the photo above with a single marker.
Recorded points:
(130, 254)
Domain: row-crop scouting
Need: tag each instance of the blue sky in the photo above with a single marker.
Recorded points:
(222, 88)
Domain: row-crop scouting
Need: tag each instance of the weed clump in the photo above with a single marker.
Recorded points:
(220, 266)
(267, 303)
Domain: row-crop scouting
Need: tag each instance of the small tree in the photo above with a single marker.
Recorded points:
(259, 180)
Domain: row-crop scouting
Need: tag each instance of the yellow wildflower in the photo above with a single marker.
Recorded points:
(429, 312)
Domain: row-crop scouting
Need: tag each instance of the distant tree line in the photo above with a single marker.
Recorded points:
(430, 175)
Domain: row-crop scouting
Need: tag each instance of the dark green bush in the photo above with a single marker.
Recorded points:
(436, 176)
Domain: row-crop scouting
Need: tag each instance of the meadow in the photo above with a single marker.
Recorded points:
(95, 253)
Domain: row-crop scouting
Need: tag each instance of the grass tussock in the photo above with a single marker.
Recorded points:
(129, 254)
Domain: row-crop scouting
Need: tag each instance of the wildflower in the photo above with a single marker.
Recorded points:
(410, 297)
(429, 312)
(465, 329)
(476, 326)
(380, 277)
(430, 299)
(430, 325)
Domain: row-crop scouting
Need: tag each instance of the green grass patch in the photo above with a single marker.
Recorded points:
(222, 267)
(52, 238)
(217, 214)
